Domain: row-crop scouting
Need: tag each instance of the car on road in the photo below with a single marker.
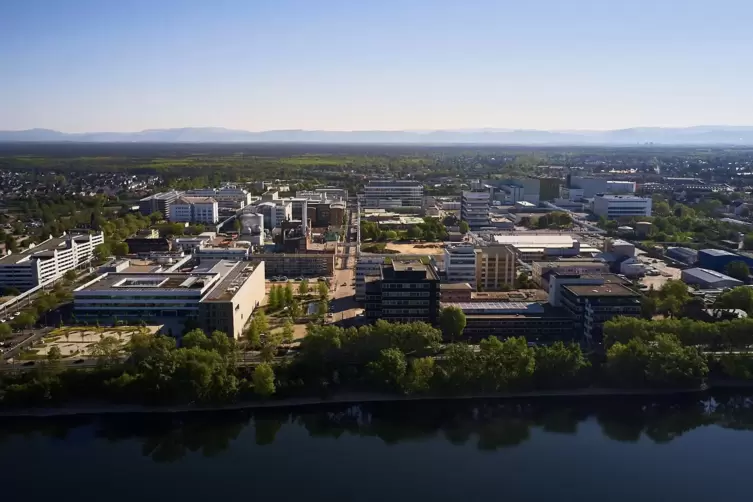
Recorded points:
(78, 361)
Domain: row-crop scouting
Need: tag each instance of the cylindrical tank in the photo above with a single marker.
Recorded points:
(252, 223)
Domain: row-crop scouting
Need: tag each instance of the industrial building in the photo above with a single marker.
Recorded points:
(386, 194)
(685, 255)
(404, 291)
(530, 247)
(718, 259)
(708, 279)
(589, 187)
(48, 261)
(228, 196)
(591, 306)
(474, 209)
(219, 296)
(621, 206)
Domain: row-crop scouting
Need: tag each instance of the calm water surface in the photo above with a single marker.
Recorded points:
(606, 450)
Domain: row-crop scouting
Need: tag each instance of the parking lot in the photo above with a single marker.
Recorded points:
(664, 272)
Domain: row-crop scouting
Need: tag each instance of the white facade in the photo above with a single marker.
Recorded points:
(386, 194)
(224, 195)
(366, 265)
(283, 211)
(460, 264)
(48, 261)
(632, 267)
(213, 253)
(474, 209)
(592, 186)
(618, 206)
(194, 210)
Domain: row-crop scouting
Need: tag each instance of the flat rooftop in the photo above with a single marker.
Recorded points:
(536, 240)
(455, 286)
(610, 289)
(47, 246)
(507, 308)
(235, 275)
(150, 282)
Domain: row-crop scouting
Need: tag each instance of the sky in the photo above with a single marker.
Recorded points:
(129, 65)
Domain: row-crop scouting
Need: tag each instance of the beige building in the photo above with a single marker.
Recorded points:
(230, 305)
(495, 267)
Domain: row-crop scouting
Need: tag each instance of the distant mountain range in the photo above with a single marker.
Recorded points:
(697, 135)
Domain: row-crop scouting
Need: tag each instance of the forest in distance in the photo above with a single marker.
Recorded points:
(487, 425)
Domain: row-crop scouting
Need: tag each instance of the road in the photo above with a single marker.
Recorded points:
(344, 305)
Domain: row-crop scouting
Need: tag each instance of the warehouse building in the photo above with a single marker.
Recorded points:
(708, 279)
(684, 255)
(718, 259)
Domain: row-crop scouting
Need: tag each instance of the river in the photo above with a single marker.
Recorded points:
(627, 449)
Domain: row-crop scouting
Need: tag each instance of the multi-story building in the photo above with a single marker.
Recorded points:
(291, 265)
(541, 270)
(621, 206)
(460, 264)
(48, 261)
(496, 266)
(226, 196)
(405, 291)
(221, 253)
(591, 306)
(158, 203)
(555, 281)
(386, 194)
(589, 187)
(537, 322)
(474, 209)
(194, 210)
(324, 194)
(219, 296)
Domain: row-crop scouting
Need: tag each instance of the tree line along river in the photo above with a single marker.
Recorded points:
(687, 448)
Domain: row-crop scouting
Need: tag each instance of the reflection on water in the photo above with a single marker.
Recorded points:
(487, 425)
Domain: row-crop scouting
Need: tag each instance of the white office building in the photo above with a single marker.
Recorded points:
(194, 210)
(386, 194)
(474, 209)
(219, 295)
(591, 186)
(621, 206)
(460, 264)
(48, 261)
(226, 196)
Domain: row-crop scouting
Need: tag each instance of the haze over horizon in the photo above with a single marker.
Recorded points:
(394, 65)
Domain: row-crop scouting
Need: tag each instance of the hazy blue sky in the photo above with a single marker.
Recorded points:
(124, 65)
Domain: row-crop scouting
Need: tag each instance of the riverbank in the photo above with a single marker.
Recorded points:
(347, 398)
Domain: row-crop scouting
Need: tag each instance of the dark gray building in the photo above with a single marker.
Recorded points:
(403, 291)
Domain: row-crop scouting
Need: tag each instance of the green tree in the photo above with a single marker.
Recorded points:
(264, 380)
(102, 252)
(623, 329)
(295, 309)
(275, 299)
(737, 298)
(390, 368)
(288, 295)
(195, 338)
(237, 225)
(54, 355)
(559, 365)
(506, 365)
(415, 233)
(748, 241)
(287, 331)
(420, 375)
(269, 346)
(464, 227)
(25, 320)
(120, 248)
(738, 270)
(321, 309)
(5, 331)
(156, 217)
(452, 321)
(107, 350)
(673, 295)
(323, 290)
(661, 209)
(390, 235)
(303, 287)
